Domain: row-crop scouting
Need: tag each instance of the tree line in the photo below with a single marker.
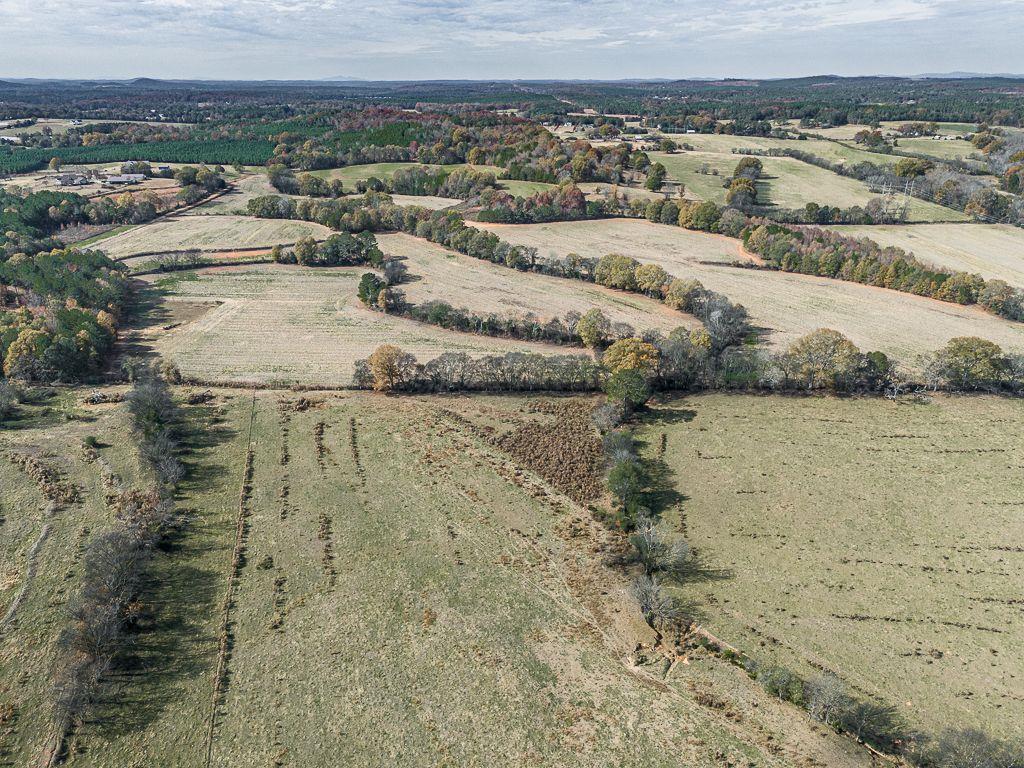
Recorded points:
(107, 605)
(830, 254)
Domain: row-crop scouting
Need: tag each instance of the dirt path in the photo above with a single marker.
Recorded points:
(30, 568)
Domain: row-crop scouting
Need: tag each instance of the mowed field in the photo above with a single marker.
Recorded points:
(877, 540)
(438, 274)
(990, 250)
(787, 183)
(725, 144)
(352, 174)
(253, 185)
(784, 305)
(179, 233)
(274, 324)
(408, 593)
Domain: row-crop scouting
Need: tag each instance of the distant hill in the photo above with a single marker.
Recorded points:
(964, 75)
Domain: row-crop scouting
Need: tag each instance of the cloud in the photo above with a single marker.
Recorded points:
(487, 38)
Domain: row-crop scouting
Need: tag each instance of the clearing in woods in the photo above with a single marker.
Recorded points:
(784, 305)
(438, 274)
(407, 591)
(272, 324)
(990, 250)
(878, 540)
(180, 233)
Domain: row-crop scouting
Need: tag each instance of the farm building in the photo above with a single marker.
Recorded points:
(125, 178)
(72, 180)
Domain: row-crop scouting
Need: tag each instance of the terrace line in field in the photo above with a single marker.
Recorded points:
(785, 305)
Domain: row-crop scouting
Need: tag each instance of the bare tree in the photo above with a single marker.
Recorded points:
(656, 606)
(827, 699)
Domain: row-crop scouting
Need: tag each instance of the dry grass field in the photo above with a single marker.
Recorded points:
(944, 148)
(206, 232)
(426, 201)
(877, 540)
(632, 237)
(408, 593)
(352, 174)
(724, 144)
(485, 288)
(273, 324)
(990, 250)
(784, 305)
(234, 202)
(253, 185)
(787, 183)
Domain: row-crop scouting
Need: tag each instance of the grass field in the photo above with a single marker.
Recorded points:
(784, 305)
(874, 539)
(990, 250)
(254, 185)
(524, 188)
(847, 132)
(40, 549)
(426, 201)
(944, 148)
(351, 174)
(234, 202)
(485, 288)
(723, 144)
(271, 324)
(408, 593)
(206, 232)
(787, 183)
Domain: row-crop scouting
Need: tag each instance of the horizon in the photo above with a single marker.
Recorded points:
(500, 40)
(342, 79)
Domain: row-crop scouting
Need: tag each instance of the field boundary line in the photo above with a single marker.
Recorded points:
(237, 555)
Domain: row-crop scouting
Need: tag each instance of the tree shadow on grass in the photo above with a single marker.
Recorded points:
(667, 414)
(147, 311)
(170, 646)
(173, 643)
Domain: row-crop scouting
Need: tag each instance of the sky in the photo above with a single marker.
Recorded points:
(505, 39)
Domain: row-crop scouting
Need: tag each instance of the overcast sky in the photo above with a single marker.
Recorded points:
(484, 39)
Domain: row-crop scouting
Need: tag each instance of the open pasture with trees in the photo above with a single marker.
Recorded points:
(439, 274)
(69, 466)
(876, 540)
(786, 183)
(353, 174)
(272, 324)
(725, 144)
(179, 233)
(358, 580)
(990, 250)
(784, 306)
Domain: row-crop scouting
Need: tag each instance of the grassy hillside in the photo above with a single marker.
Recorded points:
(874, 539)
(408, 592)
